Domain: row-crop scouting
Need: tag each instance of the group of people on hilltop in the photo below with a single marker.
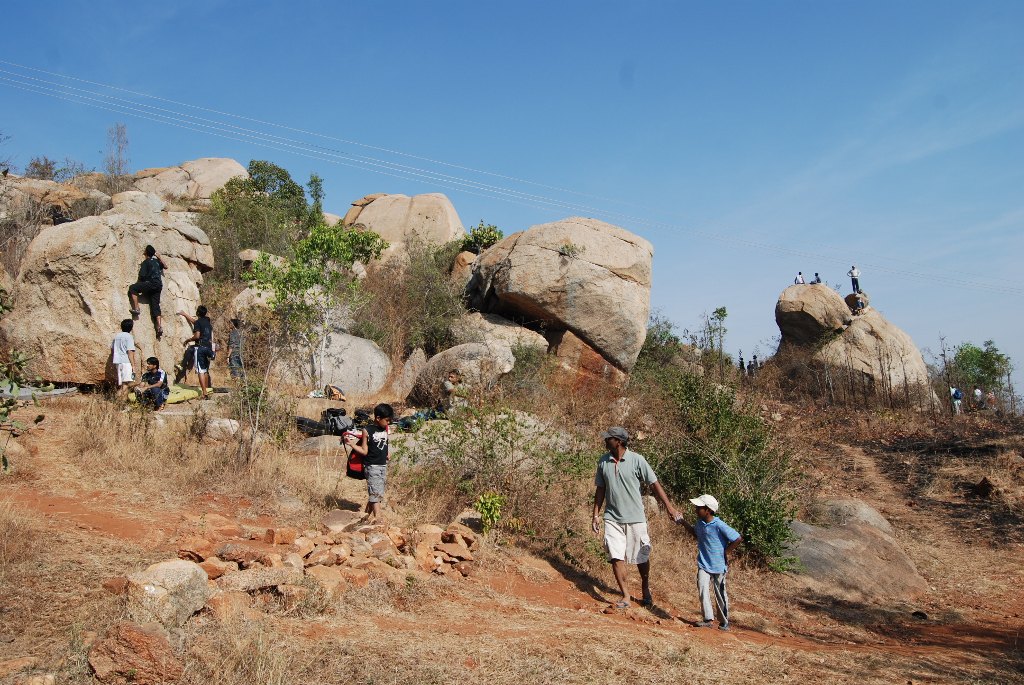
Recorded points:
(853, 273)
(751, 367)
(979, 399)
(153, 388)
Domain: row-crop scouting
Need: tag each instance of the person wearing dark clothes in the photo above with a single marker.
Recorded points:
(202, 346)
(373, 446)
(235, 349)
(151, 282)
(153, 389)
(817, 279)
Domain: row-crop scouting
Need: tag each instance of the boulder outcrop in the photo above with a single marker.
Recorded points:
(49, 202)
(806, 313)
(579, 275)
(136, 654)
(168, 592)
(479, 364)
(399, 218)
(858, 558)
(71, 292)
(477, 327)
(868, 346)
(194, 180)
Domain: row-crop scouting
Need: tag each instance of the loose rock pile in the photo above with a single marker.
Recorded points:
(227, 571)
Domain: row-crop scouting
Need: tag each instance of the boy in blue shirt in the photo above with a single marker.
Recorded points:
(715, 539)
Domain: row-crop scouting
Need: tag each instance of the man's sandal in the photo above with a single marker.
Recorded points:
(622, 604)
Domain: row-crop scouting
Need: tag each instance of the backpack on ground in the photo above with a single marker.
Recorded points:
(333, 392)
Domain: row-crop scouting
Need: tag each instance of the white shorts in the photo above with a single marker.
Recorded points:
(125, 373)
(627, 542)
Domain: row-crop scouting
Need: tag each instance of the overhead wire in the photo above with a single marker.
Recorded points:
(59, 90)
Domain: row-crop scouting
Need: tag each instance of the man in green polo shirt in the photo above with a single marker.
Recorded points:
(621, 473)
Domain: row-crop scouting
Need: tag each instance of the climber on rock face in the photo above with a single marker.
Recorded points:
(150, 283)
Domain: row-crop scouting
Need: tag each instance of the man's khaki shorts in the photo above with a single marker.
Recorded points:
(627, 542)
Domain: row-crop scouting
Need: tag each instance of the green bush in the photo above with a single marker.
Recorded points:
(723, 448)
(481, 237)
(491, 454)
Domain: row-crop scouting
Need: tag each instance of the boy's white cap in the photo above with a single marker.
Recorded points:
(705, 501)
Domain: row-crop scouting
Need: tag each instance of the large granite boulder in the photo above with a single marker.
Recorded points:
(856, 557)
(168, 592)
(477, 327)
(580, 275)
(48, 202)
(399, 219)
(479, 364)
(197, 179)
(806, 313)
(71, 292)
(867, 346)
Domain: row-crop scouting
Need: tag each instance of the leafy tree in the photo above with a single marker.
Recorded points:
(267, 211)
(660, 346)
(306, 289)
(983, 367)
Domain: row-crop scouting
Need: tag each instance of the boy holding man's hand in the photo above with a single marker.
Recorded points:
(715, 539)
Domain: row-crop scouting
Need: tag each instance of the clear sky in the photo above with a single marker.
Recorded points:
(746, 140)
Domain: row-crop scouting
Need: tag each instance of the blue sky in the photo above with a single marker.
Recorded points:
(745, 140)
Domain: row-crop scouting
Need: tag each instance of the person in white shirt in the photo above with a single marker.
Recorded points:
(799, 280)
(854, 274)
(123, 357)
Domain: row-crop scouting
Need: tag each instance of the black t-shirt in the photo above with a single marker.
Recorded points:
(376, 445)
(205, 330)
(151, 271)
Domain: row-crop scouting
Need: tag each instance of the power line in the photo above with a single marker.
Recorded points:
(221, 129)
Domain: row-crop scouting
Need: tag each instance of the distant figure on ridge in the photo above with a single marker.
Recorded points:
(956, 396)
(854, 274)
(799, 280)
(817, 279)
(751, 368)
(150, 283)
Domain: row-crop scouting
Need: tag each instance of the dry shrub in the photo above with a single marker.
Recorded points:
(412, 301)
(20, 537)
(129, 453)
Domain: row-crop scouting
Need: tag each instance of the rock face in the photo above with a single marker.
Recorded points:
(477, 327)
(197, 179)
(858, 558)
(805, 313)
(575, 354)
(580, 275)
(400, 218)
(72, 290)
(867, 345)
(168, 592)
(357, 365)
(49, 202)
(480, 364)
(136, 654)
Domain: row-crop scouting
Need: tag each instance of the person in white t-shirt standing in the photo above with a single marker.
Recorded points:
(123, 357)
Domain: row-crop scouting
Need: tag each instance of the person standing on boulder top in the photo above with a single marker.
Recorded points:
(202, 350)
(715, 539)
(150, 283)
(854, 274)
(621, 473)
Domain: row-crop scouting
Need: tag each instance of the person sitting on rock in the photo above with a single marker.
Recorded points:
(150, 283)
(799, 280)
(202, 347)
(153, 390)
(817, 279)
